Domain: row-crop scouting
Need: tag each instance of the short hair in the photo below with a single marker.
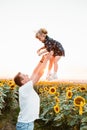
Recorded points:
(41, 31)
(17, 79)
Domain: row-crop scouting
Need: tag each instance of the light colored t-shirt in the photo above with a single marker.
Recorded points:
(29, 103)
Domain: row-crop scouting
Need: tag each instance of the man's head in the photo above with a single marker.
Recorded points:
(20, 79)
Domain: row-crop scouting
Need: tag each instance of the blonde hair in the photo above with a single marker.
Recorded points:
(41, 31)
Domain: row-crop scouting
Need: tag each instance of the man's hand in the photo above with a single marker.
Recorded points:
(46, 56)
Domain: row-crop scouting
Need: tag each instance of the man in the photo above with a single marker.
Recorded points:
(29, 101)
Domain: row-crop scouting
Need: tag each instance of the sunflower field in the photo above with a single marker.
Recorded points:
(63, 105)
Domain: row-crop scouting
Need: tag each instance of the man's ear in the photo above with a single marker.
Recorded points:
(22, 81)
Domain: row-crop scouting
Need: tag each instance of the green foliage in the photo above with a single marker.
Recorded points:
(58, 108)
(8, 96)
(69, 116)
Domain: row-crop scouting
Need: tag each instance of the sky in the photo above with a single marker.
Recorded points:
(66, 22)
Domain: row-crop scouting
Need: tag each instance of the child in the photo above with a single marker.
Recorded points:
(50, 45)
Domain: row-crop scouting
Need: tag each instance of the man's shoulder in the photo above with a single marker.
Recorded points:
(27, 85)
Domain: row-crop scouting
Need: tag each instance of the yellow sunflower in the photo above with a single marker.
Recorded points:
(1, 84)
(57, 99)
(40, 90)
(79, 101)
(69, 94)
(82, 88)
(69, 88)
(12, 86)
(52, 90)
(57, 94)
(46, 89)
(56, 109)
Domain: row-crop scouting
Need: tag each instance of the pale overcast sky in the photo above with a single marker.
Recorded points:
(65, 20)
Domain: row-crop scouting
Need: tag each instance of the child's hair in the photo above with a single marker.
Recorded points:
(41, 31)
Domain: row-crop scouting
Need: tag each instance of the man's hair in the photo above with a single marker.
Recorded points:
(18, 79)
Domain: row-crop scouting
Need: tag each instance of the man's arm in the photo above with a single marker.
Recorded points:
(39, 70)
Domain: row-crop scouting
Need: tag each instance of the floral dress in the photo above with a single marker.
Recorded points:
(55, 46)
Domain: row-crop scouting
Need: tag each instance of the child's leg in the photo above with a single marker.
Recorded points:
(56, 59)
(50, 66)
(51, 62)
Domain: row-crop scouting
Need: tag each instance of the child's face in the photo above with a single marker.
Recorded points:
(41, 37)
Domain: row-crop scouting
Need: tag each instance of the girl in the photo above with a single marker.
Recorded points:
(50, 45)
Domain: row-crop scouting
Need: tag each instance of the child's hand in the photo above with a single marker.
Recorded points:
(38, 52)
(41, 51)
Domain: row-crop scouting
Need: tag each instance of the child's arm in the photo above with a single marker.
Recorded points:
(40, 49)
(42, 52)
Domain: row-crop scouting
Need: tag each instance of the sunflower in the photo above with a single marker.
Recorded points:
(1, 84)
(46, 89)
(56, 109)
(57, 94)
(12, 86)
(40, 90)
(11, 83)
(82, 88)
(52, 90)
(79, 101)
(69, 94)
(69, 88)
(57, 99)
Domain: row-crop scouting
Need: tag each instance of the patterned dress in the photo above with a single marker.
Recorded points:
(53, 45)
